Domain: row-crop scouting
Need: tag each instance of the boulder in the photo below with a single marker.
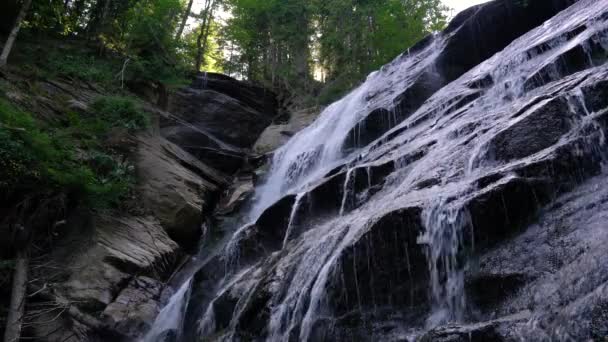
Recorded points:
(208, 118)
(276, 135)
(119, 246)
(236, 195)
(176, 188)
(135, 308)
(256, 97)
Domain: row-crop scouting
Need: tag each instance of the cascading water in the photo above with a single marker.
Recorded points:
(168, 324)
(444, 239)
(347, 196)
(395, 258)
(315, 151)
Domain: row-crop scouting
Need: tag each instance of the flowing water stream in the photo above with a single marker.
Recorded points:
(437, 155)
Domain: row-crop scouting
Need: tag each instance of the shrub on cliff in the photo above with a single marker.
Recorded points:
(68, 159)
(120, 111)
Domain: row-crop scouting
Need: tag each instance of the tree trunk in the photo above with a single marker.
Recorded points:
(104, 14)
(201, 41)
(206, 37)
(8, 46)
(14, 321)
(182, 26)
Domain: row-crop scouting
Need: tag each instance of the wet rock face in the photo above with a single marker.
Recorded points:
(475, 35)
(472, 209)
(385, 267)
(486, 24)
(533, 131)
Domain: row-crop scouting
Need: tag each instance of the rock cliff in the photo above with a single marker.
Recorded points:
(456, 195)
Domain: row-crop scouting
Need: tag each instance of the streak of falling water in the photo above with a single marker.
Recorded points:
(207, 324)
(347, 192)
(444, 240)
(170, 320)
(313, 152)
(292, 217)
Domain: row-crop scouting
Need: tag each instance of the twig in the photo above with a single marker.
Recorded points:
(122, 73)
(37, 292)
(49, 321)
(18, 129)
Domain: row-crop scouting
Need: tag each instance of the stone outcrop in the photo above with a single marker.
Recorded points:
(217, 119)
(107, 275)
(468, 203)
(278, 134)
(177, 188)
(91, 274)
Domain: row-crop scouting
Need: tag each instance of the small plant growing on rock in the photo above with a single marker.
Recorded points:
(120, 111)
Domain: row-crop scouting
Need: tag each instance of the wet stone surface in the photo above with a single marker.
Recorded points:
(457, 195)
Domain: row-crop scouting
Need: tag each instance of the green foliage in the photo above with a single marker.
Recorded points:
(278, 43)
(283, 42)
(358, 37)
(138, 31)
(144, 33)
(270, 40)
(69, 159)
(213, 59)
(82, 65)
(119, 111)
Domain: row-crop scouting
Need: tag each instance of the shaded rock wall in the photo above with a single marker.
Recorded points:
(105, 274)
(217, 119)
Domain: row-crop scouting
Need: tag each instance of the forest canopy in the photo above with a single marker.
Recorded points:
(321, 47)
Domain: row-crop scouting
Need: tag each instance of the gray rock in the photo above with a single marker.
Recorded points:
(135, 308)
(278, 134)
(176, 188)
(208, 118)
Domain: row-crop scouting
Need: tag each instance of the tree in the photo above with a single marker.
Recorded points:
(10, 41)
(272, 41)
(202, 38)
(184, 19)
(14, 321)
(355, 37)
(279, 42)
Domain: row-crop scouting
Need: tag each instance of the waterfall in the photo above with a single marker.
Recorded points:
(312, 152)
(443, 239)
(292, 217)
(316, 150)
(168, 324)
(398, 252)
(347, 192)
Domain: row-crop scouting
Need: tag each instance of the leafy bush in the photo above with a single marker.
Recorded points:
(66, 159)
(83, 66)
(119, 111)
